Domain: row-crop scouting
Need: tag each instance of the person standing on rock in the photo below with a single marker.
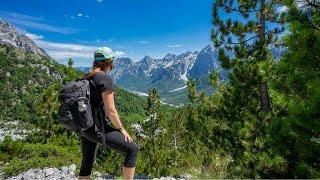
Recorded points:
(102, 97)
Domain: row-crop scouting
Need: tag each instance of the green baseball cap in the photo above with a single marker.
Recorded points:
(103, 53)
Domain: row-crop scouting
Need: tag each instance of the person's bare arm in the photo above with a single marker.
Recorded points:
(110, 109)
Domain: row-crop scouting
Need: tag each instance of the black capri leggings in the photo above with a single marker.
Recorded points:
(114, 140)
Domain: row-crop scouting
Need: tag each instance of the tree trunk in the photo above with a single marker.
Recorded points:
(264, 94)
(264, 97)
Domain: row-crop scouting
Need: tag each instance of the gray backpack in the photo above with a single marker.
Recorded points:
(75, 112)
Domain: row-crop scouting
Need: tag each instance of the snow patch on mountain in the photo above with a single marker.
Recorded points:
(178, 89)
(168, 64)
(184, 77)
(172, 105)
(139, 93)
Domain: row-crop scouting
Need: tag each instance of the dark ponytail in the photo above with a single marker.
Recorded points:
(103, 65)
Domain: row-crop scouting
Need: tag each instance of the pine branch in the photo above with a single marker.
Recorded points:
(310, 23)
(251, 38)
(313, 3)
(236, 10)
(310, 3)
(270, 8)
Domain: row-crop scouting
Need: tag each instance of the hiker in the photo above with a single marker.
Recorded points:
(102, 95)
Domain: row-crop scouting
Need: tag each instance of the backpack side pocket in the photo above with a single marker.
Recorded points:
(66, 118)
(84, 113)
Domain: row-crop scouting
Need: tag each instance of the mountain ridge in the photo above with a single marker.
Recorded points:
(168, 74)
(12, 37)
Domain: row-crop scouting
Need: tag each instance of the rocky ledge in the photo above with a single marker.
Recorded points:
(68, 172)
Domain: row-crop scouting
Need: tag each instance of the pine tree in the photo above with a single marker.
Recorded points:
(295, 132)
(192, 91)
(70, 63)
(70, 73)
(156, 141)
(47, 110)
(242, 31)
(247, 28)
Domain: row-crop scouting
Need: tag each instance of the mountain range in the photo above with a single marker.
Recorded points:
(171, 73)
(168, 74)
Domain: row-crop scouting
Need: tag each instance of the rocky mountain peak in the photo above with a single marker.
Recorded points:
(10, 36)
(147, 58)
(124, 60)
(209, 49)
(169, 57)
(188, 54)
(206, 61)
(147, 61)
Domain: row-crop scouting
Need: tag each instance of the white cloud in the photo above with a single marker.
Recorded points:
(61, 51)
(34, 36)
(174, 45)
(78, 15)
(99, 1)
(42, 26)
(23, 20)
(119, 53)
(19, 16)
(144, 42)
(23, 31)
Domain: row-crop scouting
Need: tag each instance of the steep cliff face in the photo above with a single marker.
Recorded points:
(10, 36)
(205, 62)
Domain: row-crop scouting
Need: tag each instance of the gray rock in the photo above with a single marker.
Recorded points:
(49, 172)
(99, 176)
(13, 130)
(65, 172)
(72, 167)
(68, 173)
(186, 176)
(167, 178)
(96, 174)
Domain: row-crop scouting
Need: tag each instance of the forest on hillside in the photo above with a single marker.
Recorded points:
(264, 122)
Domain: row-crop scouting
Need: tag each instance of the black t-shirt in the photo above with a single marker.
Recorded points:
(102, 82)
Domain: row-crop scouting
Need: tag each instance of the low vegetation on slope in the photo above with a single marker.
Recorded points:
(30, 84)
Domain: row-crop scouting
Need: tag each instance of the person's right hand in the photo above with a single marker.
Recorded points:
(127, 137)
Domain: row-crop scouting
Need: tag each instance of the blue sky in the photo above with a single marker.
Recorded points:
(132, 28)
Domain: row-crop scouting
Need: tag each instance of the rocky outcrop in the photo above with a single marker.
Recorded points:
(10, 36)
(69, 173)
(13, 130)
(65, 172)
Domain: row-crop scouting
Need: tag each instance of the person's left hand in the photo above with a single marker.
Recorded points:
(127, 137)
